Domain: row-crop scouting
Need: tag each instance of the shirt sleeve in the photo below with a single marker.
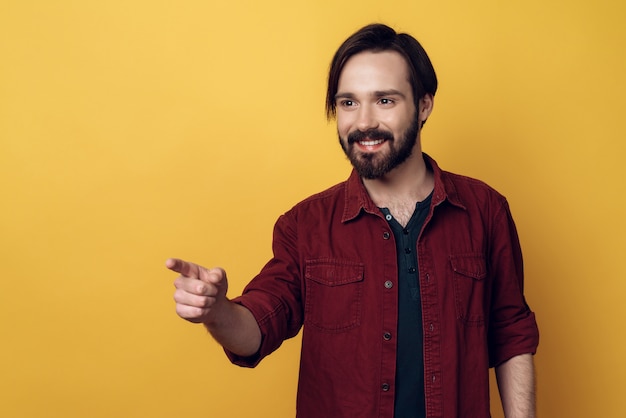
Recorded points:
(274, 296)
(512, 326)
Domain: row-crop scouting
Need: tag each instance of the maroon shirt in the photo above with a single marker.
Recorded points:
(334, 271)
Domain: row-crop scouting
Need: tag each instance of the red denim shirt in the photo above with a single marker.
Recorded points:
(334, 271)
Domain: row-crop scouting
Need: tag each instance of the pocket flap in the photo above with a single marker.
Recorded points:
(332, 272)
(470, 265)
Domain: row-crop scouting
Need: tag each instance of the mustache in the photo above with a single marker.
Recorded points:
(357, 135)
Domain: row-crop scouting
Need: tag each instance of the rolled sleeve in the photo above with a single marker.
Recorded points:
(274, 295)
(513, 328)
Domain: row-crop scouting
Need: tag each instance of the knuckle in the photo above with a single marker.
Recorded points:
(206, 302)
(190, 313)
(178, 295)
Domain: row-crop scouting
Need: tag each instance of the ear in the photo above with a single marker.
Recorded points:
(426, 104)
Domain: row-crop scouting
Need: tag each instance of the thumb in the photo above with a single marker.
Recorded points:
(216, 276)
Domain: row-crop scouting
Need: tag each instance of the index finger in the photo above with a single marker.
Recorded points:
(183, 267)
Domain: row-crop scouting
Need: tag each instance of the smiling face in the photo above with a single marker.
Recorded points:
(377, 122)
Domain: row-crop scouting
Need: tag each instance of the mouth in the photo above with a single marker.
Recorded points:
(370, 145)
(370, 142)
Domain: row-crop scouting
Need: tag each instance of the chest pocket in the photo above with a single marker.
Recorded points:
(334, 291)
(469, 274)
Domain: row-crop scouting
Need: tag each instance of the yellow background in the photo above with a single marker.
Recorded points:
(132, 131)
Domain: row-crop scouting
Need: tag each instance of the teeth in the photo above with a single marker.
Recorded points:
(371, 143)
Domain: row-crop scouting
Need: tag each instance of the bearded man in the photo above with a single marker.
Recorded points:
(406, 280)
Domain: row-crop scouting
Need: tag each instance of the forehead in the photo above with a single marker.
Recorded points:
(374, 71)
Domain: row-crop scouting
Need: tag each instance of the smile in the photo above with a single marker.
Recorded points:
(371, 142)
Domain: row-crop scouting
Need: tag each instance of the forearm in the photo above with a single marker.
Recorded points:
(516, 382)
(235, 328)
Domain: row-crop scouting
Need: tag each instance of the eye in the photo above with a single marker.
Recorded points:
(346, 103)
(386, 102)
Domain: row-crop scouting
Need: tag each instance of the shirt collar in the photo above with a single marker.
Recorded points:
(357, 199)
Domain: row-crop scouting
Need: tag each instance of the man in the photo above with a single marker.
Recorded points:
(406, 279)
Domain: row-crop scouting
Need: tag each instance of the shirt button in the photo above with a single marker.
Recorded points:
(387, 336)
(388, 284)
(385, 387)
(386, 235)
(405, 231)
(412, 270)
(407, 250)
(388, 217)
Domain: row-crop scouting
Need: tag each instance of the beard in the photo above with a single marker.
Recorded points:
(374, 165)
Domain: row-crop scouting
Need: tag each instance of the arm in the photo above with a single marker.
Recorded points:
(516, 382)
(201, 298)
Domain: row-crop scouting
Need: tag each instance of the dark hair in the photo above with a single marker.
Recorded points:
(377, 38)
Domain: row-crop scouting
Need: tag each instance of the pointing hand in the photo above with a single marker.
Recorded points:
(199, 291)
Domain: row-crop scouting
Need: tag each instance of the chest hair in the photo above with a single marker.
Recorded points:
(402, 210)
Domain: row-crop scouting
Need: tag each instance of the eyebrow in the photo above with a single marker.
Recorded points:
(377, 94)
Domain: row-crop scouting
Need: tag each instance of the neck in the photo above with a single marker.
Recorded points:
(407, 184)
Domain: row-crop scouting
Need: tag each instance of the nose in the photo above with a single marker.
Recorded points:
(366, 119)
